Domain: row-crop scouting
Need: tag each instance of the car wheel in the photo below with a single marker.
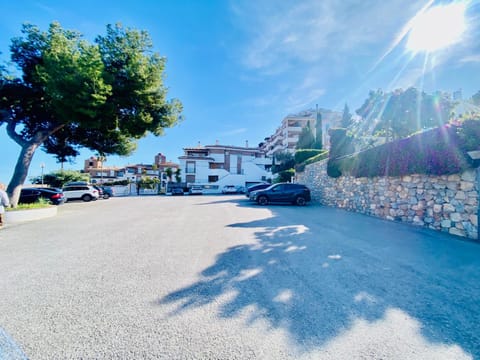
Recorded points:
(86, 197)
(300, 201)
(263, 200)
(106, 196)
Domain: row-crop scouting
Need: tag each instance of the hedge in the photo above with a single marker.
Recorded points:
(439, 151)
(321, 156)
(305, 154)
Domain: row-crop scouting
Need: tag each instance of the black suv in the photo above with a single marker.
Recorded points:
(282, 193)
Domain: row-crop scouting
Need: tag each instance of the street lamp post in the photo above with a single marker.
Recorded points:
(42, 165)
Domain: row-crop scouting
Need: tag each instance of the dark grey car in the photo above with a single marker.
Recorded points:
(282, 193)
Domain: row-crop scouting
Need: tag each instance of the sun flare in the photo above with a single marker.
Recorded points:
(437, 28)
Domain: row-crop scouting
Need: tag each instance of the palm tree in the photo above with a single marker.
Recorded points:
(169, 173)
(178, 177)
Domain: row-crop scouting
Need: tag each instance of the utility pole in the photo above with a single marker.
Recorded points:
(42, 165)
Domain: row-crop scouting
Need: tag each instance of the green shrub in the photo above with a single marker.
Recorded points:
(333, 168)
(340, 143)
(304, 154)
(285, 175)
(40, 204)
(321, 156)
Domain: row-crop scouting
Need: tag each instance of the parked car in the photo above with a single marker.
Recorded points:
(107, 192)
(32, 195)
(83, 192)
(256, 187)
(100, 191)
(282, 193)
(71, 183)
(241, 189)
(177, 191)
(196, 190)
(229, 189)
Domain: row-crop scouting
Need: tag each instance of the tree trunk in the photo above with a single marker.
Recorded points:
(21, 172)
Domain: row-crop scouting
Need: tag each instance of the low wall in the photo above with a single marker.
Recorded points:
(445, 203)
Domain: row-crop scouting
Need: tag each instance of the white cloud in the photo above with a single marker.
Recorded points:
(311, 31)
(307, 48)
(471, 59)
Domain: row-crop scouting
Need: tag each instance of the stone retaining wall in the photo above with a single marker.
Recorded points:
(445, 203)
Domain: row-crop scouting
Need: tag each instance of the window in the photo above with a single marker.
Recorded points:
(212, 178)
(216, 166)
(190, 167)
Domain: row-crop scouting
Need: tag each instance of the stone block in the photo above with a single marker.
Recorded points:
(466, 185)
(453, 178)
(437, 208)
(458, 232)
(474, 220)
(446, 224)
(448, 208)
(418, 221)
(472, 194)
(456, 217)
(460, 195)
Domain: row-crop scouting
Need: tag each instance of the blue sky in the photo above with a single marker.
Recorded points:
(240, 66)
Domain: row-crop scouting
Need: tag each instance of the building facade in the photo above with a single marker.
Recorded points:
(286, 136)
(215, 166)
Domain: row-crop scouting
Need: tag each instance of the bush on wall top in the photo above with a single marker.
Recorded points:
(438, 151)
(305, 154)
(321, 156)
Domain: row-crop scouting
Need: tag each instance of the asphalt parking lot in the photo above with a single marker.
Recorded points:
(216, 277)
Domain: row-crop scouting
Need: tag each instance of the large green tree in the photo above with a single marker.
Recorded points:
(476, 98)
(60, 177)
(318, 144)
(71, 93)
(401, 113)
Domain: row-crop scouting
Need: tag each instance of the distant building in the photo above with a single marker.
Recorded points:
(99, 173)
(457, 95)
(286, 136)
(214, 166)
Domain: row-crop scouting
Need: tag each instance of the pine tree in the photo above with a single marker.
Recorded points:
(346, 117)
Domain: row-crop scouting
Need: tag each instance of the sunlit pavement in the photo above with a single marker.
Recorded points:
(217, 277)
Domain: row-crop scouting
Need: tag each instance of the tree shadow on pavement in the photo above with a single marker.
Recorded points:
(319, 274)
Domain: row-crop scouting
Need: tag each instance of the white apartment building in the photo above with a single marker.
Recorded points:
(286, 136)
(214, 166)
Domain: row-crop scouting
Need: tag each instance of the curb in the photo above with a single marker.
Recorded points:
(29, 215)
